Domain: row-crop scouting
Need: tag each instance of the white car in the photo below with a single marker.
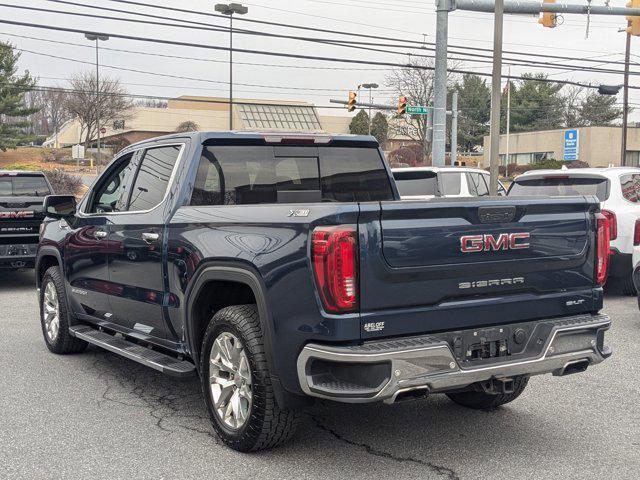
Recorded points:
(423, 183)
(617, 188)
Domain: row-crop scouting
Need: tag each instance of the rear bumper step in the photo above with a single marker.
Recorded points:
(383, 370)
(156, 360)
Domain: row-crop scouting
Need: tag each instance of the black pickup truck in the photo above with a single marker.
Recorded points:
(21, 197)
(284, 268)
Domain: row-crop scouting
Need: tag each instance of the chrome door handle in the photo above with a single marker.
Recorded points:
(150, 237)
(100, 234)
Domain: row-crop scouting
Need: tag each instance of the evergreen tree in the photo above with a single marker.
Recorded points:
(599, 110)
(535, 104)
(13, 109)
(380, 128)
(360, 124)
(474, 105)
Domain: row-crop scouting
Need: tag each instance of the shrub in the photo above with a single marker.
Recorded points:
(63, 182)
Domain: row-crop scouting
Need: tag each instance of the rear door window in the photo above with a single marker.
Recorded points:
(412, 183)
(561, 187)
(477, 186)
(245, 175)
(630, 185)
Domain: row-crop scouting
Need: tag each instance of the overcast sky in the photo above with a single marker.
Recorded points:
(408, 19)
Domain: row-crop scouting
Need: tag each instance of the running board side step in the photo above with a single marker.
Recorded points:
(151, 358)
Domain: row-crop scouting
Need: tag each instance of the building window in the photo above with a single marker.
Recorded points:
(632, 158)
(279, 117)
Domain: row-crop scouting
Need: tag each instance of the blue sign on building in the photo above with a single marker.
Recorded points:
(571, 145)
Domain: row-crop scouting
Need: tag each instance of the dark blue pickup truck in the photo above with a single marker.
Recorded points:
(284, 268)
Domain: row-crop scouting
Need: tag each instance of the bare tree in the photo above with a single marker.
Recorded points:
(187, 126)
(416, 83)
(152, 103)
(84, 104)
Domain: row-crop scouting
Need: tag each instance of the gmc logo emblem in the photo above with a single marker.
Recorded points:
(487, 243)
(16, 214)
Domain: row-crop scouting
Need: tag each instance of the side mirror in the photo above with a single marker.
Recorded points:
(60, 206)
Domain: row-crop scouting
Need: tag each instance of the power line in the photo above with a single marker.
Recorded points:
(508, 61)
(343, 33)
(275, 53)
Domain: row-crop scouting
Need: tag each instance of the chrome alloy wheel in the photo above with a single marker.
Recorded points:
(51, 311)
(230, 379)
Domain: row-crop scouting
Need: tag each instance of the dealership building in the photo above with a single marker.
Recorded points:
(208, 114)
(597, 146)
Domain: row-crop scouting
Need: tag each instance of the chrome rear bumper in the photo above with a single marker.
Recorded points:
(381, 370)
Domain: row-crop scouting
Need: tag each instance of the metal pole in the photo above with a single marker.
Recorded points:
(454, 127)
(625, 102)
(535, 7)
(370, 102)
(440, 84)
(98, 100)
(496, 84)
(231, 71)
(506, 163)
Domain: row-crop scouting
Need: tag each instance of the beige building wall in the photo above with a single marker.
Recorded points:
(598, 146)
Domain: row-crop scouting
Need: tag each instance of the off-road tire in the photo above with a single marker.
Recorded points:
(487, 401)
(64, 342)
(267, 425)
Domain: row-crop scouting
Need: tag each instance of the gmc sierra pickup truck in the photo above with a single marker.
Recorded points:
(21, 197)
(284, 268)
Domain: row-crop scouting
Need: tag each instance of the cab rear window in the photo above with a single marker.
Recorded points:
(246, 175)
(24, 186)
(561, 187)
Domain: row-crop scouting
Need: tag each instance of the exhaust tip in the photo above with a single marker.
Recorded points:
(410, 394)
(575, 367)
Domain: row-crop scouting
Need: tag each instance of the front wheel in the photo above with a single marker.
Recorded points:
(55, 315)
(237, 385)
(487, 401)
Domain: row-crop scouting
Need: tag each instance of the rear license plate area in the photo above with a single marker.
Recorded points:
(482, 344)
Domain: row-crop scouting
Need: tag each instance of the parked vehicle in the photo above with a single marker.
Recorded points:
(422, 183)
(617, 189)
(284, 268)
(21, 197)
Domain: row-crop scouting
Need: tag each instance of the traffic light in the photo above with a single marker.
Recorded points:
(402, 105)
(634, 21)
(549, 19)
(351, 104)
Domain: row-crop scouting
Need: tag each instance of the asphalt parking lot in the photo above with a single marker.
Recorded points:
(96, 415)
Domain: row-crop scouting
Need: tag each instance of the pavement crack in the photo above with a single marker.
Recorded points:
(438, 469)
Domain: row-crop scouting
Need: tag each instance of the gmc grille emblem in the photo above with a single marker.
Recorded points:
(487, 243)
(25, 214)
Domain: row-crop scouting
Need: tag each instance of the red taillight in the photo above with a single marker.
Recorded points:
(333, 253)
(636, 233)
(602, 248)
(613, 224)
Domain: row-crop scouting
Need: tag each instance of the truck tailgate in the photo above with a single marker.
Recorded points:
(459, 263)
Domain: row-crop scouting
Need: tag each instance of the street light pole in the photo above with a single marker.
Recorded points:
(369, 86)
(230, 9)
(94, 37)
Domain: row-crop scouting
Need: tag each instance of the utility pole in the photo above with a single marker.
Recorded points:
(506, 163)
(229, 10)
(454, 127)
(496, 84)
(443, 7)
(625, 100)
(94, 37)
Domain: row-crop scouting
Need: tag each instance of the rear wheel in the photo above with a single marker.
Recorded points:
(237, 385)
(626, 283)
(55, 316)
(487, 401)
